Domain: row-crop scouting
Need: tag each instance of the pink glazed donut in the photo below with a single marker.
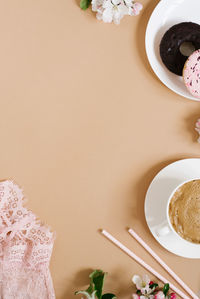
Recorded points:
(191, 74)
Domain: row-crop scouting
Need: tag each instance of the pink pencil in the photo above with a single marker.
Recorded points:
(145, 265)
(163, 264)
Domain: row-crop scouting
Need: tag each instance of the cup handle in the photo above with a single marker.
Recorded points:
(163, 230)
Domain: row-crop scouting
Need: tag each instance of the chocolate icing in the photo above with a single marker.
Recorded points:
(171, 42)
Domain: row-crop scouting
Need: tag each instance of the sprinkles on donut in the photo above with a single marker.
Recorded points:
(191, 74)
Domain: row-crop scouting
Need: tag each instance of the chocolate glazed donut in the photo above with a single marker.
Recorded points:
(171, 42)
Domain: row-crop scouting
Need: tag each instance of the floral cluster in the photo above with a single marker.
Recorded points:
(112, 10)
(197, 128)
(147, 289)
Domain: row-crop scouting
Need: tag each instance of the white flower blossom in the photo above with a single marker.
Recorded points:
(160, 295)
(143, 284)
(114, 10)
(96, 4)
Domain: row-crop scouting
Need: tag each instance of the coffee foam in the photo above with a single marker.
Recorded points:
(184, 211)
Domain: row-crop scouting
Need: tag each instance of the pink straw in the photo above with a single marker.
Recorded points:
(162, 263)
(142, 263)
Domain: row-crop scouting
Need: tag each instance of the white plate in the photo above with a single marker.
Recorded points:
(166, 14)
(158, 193)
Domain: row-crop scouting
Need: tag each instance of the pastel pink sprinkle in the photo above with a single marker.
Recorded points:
(191, 74)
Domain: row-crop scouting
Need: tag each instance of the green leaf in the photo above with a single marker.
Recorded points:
(108, 296)
(166, 289)
(95, 288)
(138, 292)
(88, 296)
(84, 4)
(153, 285)
(90, 289)
(97, 277)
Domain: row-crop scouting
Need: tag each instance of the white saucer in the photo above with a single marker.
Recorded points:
(158, 194)
(166, 14)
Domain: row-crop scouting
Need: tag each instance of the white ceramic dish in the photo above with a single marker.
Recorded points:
(166, 14)
(158, 194)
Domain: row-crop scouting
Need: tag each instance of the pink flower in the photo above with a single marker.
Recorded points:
(197, 128)
(135, 296)
(172, 296)
(137, 7)
(160, 295)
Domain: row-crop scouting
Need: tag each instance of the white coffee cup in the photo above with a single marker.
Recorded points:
(166, 227)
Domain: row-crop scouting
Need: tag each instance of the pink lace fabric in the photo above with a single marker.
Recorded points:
(25, 249)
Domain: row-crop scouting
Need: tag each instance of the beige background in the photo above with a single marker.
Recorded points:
(84, 127)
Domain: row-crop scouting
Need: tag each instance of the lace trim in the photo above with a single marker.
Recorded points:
(25, 248)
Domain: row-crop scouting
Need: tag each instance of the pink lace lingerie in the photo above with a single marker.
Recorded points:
(25, 251)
